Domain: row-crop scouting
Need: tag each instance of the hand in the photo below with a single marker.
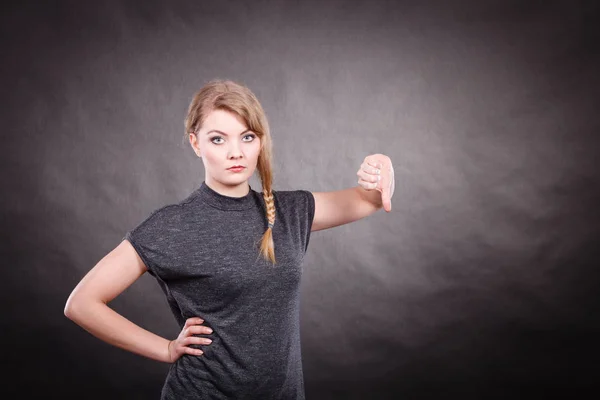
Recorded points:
(376, 172)
(179, 346)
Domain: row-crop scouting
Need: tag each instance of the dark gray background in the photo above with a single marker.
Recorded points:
(481, 282)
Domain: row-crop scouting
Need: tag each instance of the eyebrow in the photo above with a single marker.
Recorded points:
(223, 133)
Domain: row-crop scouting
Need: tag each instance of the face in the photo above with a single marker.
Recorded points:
(225, 141)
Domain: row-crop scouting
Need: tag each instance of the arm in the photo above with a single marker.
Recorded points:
(344, 206)
(87, 304)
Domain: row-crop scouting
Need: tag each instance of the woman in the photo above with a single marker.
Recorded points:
(228, 259)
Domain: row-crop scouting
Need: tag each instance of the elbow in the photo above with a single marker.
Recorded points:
(70, 307)
(75, 306)
(79, 305)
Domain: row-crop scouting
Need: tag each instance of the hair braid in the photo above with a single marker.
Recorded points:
(267, 247)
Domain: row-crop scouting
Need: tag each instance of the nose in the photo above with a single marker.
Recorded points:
(235, 151)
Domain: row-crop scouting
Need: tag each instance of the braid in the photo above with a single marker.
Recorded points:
(267, 247)
(270, 203)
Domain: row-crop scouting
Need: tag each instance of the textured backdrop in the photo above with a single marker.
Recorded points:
(483, 281)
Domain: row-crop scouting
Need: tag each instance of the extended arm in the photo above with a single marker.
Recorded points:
(344, 206)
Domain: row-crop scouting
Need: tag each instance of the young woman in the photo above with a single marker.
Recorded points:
(228, 259)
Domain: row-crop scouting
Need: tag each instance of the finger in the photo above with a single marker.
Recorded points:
(192, 351)
(385, 199)
(196, 340)
(368, 177)
(392, 181)
(386, 179)
(372, 159)
(367, 185)
(200, 329)
(371, 168)
(374, 163)
(192, 321)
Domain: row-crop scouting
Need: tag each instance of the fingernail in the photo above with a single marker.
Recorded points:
(378, 177)
(378, 172)
(210, 330)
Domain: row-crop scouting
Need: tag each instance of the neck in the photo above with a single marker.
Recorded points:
(237, 190)
(228, 201)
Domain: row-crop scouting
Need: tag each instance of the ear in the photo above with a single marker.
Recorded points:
(195, 144)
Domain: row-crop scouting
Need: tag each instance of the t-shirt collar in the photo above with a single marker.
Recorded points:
(223, 202)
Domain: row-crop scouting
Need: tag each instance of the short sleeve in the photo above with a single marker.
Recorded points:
(147, 239)
(307, 207)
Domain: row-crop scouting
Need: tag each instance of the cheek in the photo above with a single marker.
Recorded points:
(256, 149)
(211, 158)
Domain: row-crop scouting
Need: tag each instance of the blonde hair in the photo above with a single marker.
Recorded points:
(238, 99)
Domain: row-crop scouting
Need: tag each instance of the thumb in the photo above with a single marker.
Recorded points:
(386, 181)
(385, 195)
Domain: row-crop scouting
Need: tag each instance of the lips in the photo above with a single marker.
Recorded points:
(237, 167)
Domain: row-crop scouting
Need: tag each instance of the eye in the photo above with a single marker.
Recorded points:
(253, 136)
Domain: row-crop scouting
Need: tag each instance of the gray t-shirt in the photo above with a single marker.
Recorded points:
(204, 253)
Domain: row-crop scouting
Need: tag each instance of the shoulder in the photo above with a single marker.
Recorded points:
(292, 196)
(171, 213)
(298, 202)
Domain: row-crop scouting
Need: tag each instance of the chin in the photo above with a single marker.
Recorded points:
(235, 180)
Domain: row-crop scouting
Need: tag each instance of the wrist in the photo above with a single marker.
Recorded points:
(372, 196)
(167, 356)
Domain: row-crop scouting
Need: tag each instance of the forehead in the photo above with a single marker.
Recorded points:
(224, 121)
